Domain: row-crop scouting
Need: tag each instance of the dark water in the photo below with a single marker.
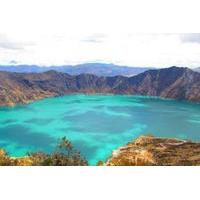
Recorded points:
(96, 124)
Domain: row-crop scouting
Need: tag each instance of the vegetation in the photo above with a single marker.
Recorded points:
(144, 151)
(155, 151)
(64, 155)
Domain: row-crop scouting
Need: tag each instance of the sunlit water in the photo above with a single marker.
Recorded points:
(96, 124)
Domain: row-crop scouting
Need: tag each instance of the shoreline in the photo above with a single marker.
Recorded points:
(156, 151)
(98, 94)
(146, 150)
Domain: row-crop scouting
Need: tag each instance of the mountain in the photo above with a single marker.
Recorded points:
(99, 69)
(173, 82)
(197, 69)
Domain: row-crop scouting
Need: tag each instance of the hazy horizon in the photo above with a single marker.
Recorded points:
(86, 63)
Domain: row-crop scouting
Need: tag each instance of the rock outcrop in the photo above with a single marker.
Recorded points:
(174, 82)
(152, 151)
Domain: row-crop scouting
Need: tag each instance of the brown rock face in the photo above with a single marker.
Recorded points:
(174, 82)
(150, 151)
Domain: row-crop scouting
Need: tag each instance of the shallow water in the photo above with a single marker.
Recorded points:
(96, 124)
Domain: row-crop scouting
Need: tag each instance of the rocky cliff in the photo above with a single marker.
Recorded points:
(174, 82)
(152, 151)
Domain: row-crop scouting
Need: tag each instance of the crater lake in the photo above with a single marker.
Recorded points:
(95, 124)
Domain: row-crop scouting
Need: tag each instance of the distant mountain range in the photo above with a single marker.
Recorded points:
(174, 82)
(99, 69)
(196, 69)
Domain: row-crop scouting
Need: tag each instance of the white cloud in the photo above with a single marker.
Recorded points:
(95, 38)
(73, 31)
(191, 37)
(9, 44)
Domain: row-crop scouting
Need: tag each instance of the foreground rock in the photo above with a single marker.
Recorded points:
(151, 151)
(174, 82)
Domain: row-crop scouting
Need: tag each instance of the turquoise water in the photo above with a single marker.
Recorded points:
(96, 124)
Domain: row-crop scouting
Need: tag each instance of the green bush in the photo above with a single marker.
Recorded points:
(64, 155)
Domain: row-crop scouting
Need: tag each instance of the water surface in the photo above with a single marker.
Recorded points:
(96, 124)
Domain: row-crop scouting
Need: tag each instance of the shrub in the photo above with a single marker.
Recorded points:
(64, 155)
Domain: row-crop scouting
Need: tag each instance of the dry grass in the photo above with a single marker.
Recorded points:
(152, 151)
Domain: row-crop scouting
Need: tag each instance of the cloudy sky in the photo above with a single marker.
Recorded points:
(73, 31)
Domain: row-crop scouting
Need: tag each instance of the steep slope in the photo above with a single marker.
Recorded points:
(174, 82)
(22, 88)
(151, 151)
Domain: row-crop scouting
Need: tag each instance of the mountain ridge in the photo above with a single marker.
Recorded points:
(174, 82)
(99, 69)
